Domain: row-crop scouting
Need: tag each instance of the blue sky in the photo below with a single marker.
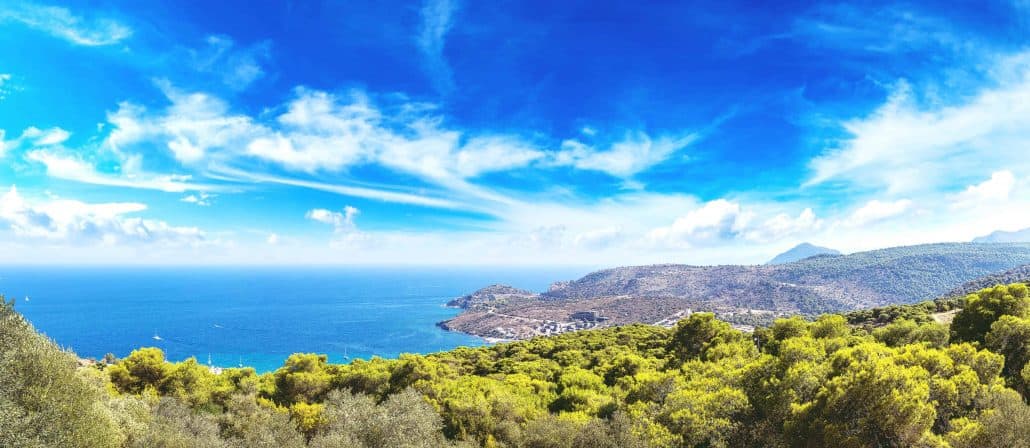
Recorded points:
(456, 132)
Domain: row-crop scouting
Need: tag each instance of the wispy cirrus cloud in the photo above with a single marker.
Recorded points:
(71, 168)
(437, 20)
(235, 66)
(898, 145)
(625, 158)
(881, 29)
(378, 193)
(62, 23)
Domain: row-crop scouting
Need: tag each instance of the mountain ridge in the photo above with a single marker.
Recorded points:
(1002, 236)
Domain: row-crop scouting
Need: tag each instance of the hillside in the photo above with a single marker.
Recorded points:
(801, 252)
(745, 295)
(1020, 274)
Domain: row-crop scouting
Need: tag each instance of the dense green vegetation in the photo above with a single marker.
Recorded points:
(1019, 274)
(903, 381)
(920, 312)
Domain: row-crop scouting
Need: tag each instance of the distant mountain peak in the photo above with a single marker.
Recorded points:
(801, 252)
(1001, 236)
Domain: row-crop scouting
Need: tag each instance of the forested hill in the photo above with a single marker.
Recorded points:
(1019, 274)
(743, 294)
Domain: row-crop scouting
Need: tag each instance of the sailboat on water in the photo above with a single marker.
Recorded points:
(213, 368)
(156, 337)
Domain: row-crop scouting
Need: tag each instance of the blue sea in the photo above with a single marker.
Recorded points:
(255, 316)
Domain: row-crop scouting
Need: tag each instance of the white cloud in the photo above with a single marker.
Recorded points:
(45, 137)
(74, 169)
(876, 210)
(321, 134)
(714, 221)
(36, 137)
(345, 231)
(437, 20)
(783, 225)
(193, 125)
(202, 199)
(722, 221)
(902, 142)
(340, 221)
(62, 23)
(273, 239)
(634, 154)
(997, 188)
(496, 153)
(75, 222)
(321, 137)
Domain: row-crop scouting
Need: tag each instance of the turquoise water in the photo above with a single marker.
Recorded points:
(254, 316)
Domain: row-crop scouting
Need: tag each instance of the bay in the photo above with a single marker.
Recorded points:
(255, 316)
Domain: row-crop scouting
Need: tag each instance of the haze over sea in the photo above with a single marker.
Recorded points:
(256, 316)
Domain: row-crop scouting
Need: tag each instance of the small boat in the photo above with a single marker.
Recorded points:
(156, 337)
(213, 368)
(26, 298)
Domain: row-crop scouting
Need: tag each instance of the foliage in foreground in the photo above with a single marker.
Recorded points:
(906, 381)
